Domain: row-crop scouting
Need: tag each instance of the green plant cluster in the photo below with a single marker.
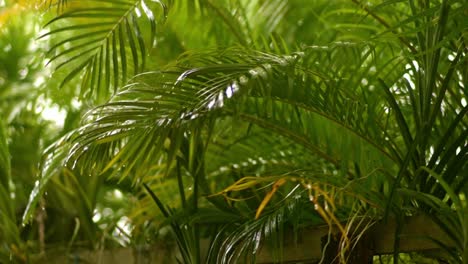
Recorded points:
(128, 122)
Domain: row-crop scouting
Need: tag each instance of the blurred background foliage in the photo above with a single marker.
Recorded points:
(125, 123)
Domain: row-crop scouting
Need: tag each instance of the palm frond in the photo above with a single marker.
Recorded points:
(52, 165)
(5, 167)
(102, 41)
(243, 242)
(309, 106)
(8, 228)
(187, 243)
(5, 174)
(242, 26)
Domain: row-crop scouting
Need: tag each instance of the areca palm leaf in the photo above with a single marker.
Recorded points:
(129, 132)
(7, 212)
(243, 243)
(243, 240)
(102, 41)
(233, 22)
(432, 108)
(9, 230)
(252, 151)
(447, 146)
(354, 120)
(224, 29)
(428, 97)
(270, 96)
(4, 157)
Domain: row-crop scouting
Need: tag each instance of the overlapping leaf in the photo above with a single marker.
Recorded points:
(364, 112)
(102, 42)
(276, 93)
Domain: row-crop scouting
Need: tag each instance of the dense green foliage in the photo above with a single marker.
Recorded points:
(232, 120)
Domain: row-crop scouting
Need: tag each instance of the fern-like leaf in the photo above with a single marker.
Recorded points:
(102, 41)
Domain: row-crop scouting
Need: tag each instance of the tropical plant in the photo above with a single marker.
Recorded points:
(266, 115)
(28, 123)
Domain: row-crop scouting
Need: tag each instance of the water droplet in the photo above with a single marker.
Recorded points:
(243, 80)
(289, 58)
(299, 54)
(74, 164)
(283, 62)
(252, 161)
(229, 92)
(267, 66)
(253, 73)
(193, 116)
(220, 101)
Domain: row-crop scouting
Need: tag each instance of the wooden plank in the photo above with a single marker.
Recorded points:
(307, 248)
(163, 254)
(415, 236)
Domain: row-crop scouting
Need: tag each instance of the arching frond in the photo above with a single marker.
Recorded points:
(279, 94)
(102, 41)
(270, 97)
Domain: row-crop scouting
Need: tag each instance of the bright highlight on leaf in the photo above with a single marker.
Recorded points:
(334, 114)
